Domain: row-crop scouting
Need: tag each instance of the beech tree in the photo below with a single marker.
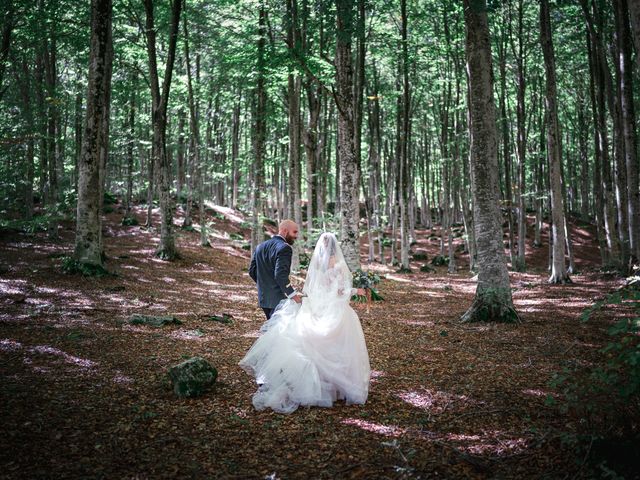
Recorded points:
(493, 300)
(88, 244)
(349, 236)
(559, 272)
(167, 248)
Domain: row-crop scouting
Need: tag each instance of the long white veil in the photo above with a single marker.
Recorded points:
(328, 278)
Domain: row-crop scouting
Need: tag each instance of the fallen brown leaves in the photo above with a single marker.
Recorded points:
(84, 394)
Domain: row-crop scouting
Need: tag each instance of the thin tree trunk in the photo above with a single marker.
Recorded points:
(559, 272)
(235, 150)
(51, 82)
(629, 122)
(195, 136)
(24, 81)
(260, 131)
(130, 144)
(167, 248)
(404, 145)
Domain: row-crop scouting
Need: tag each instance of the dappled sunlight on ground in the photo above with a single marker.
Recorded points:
(373, 427)
(80, 379)
(494, 443)
(9, 345)
(432, 401)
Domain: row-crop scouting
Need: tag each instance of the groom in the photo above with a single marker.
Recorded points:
(270, 266)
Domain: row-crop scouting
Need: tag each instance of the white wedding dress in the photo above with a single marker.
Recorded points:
(312, 353)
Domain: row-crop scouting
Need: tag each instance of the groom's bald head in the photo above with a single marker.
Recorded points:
(288, 229)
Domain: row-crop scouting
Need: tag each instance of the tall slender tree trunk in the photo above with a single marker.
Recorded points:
(629, 122)
(180, 164)
(195, 135)
(521, 138)
(634, 16)
(167, 248)
(493, 300)
(51, 82)
(106, 122)
(25, 95)
(559, 272)
(260, 131)
(404, 145)
(603, 88)
(597, 173)
(130, 143)
(349, 234)
(88, 247)
(506, 145)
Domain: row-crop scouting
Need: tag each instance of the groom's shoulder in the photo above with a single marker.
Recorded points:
(280, 243)
(276, 242)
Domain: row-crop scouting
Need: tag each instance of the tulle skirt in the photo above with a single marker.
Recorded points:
(309, 354)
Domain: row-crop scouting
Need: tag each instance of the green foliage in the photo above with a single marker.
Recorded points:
(610, 390)
(35, 225)
(110, 198)
(129, 221)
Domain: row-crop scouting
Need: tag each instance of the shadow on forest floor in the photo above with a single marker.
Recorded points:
(84, 394)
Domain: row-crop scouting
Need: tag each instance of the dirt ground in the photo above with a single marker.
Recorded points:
(84, 394)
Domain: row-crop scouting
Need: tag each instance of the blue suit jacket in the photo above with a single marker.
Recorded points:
(270, 266)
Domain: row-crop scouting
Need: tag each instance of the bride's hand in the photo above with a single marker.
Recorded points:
(361, 292)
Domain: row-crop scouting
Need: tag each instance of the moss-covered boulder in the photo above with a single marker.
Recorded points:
(420, 255)
(192, 377)
(153, 320)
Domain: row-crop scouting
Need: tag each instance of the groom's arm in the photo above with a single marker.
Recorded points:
(282, 269)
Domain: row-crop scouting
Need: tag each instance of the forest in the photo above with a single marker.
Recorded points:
(477, 158)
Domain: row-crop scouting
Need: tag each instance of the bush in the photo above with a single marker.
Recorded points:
(608, 394)
(36, 224)
(110, 198)
(129, 221)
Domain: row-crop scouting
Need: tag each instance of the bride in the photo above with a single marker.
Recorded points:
(312, 353)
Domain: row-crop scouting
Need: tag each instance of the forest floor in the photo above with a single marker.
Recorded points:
(84, 394)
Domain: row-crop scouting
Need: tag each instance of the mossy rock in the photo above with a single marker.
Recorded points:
(71, 266)
(420, 256)
(153, 320)
(439, 261)
(404, 270)
(192, 378)
(225, 318)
